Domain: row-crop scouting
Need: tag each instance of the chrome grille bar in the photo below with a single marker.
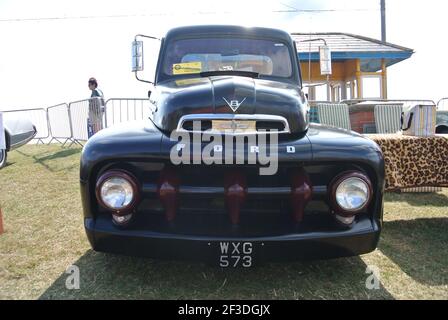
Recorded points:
(232, 117)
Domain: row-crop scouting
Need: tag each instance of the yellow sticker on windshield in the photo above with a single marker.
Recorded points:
(187, 67)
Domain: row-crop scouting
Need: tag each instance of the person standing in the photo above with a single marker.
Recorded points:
(96, 108)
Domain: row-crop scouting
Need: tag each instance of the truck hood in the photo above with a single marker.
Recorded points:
(228, 95)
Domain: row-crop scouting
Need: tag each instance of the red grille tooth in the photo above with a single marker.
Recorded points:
(301, 191)
(235, 194)
(168, 191)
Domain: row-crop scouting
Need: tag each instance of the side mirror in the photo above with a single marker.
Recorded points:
(137, 56)
(325, 60)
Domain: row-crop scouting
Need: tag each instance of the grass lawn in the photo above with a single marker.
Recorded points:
(44, 235)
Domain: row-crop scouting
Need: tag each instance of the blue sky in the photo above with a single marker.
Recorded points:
(45, 62)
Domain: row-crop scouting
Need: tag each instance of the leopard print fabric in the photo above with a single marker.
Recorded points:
(414, 161)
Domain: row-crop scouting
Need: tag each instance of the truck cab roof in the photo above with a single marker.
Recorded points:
(199, 30)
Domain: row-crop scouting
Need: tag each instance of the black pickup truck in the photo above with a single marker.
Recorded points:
(228, 168)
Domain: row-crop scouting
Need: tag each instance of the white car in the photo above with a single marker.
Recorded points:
(18, 130)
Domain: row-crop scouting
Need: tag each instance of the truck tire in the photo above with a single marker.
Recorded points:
(3, 157)
(442, 129)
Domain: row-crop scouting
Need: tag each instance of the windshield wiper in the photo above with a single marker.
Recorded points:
(249, 74)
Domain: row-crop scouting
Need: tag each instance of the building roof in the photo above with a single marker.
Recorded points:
(346, 46)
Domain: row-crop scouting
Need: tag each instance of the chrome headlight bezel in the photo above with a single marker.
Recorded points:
(128, 182)
(351, 177)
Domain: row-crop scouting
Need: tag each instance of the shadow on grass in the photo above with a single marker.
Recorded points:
(57, 156)
(8, 163)
(43, 157)
(63, 152)
(32, 153)
(419, 248)
(419, 199)
(119, 277)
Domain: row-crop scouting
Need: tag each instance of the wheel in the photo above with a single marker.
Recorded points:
(442, 129)
(3, 156)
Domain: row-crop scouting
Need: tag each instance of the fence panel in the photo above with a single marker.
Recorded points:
(38, 117)
(59, 122)
(86, 118)
(120, 110)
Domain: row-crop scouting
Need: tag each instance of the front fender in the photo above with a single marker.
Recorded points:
(132, 140)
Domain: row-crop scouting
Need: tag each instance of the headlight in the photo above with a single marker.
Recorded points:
(117, 191)
(351, 192)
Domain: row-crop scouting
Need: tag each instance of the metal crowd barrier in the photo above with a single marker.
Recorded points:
(118, 110)
(77, 121)
(39, 117)
(59, 123)
(86, 118)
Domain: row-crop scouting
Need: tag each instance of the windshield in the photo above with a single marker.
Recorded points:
(192, 56)
(442, 117)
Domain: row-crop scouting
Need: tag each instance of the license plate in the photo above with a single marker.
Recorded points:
(236, 254)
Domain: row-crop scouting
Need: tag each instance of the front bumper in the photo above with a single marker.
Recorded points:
(362, 238)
